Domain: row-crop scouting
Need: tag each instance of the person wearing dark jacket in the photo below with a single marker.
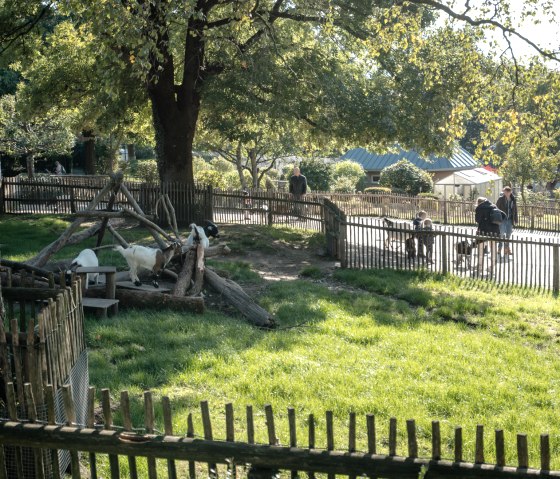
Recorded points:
(486, 227)
(298, 188)
(507, 203)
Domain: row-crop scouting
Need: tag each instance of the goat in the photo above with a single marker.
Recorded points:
(393, 234)
(152, 259)
(196, 236)
(86, 258)
(211, 229)
(464, 251)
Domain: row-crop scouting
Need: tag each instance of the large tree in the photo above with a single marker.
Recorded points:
(181, 49)
(363, 69)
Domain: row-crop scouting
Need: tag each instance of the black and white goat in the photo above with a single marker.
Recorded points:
(211, 229)
(86, 258)
(152, 259)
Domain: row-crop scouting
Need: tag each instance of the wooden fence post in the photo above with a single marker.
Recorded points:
(342, 227)
(2, 196)
(556, 269)
(445, 218)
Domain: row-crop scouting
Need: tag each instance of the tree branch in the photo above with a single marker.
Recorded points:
(482, 22)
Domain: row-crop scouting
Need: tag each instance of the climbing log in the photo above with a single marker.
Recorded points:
(235, 295)
(184, 280)
(198, 272)
(146, 300)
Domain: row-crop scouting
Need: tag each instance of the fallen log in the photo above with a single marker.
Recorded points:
(218, 250)
(184, 280)
(15, 265)
(198, 272)
(142, 299)
(238, 298)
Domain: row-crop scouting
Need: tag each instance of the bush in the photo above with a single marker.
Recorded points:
(378, 190)
(404, 176)
(344, 185)
(211, 178)
(433, 196)
(318, 174)
(147, 171)
(353, 172)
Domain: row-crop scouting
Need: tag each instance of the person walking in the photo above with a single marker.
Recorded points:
(298, 187)
(428, 238)
(508, 204)
(417, 225)
(486, 227)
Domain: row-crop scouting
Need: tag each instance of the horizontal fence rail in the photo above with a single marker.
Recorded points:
(368, 243)
(128, 451)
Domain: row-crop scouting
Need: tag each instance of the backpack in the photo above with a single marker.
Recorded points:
(496, 216)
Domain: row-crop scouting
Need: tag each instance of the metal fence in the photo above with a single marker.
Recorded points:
(368, 243)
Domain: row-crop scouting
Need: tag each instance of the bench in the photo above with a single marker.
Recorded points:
(100, 305)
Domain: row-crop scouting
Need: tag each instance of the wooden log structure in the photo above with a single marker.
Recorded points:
(143, 299)
(238, 298)
(184, 279)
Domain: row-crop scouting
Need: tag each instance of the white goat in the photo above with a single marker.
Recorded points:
(197, 236)
(152, 259)
(86, 258)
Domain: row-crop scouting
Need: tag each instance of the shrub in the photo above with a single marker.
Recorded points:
(147, 171)
(318, 174)
(344, 185)
(352, 171)
(210, 178)
(433, 196)
(405, 176)
(378, 190)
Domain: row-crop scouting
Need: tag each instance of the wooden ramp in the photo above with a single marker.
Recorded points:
(148, 287)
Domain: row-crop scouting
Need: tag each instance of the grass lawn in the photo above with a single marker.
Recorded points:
(402, 344)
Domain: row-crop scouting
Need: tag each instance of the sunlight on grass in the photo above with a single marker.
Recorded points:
(402, 344)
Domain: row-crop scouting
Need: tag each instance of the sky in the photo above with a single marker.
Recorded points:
(546, 34)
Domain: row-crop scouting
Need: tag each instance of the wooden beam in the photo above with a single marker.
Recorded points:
(262, 456)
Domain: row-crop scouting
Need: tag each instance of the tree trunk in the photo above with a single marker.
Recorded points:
(131, 152)
(239, 165)
(254, 167)
(30, 164)
(89, 152)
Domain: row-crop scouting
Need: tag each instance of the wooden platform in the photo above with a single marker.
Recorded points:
(101, 305)
(148, 287)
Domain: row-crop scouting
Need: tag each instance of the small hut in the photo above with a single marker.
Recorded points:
(470, 184)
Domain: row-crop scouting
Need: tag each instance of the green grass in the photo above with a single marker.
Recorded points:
(22, 237)
(238, 270)
(402, 344)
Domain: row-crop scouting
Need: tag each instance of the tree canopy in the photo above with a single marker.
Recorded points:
(334, 73)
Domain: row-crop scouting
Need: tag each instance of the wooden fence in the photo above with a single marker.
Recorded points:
(68, 194)
(128, 451)
(367, 243)
(42, 343)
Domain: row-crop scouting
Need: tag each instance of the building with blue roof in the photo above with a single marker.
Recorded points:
(438, 166)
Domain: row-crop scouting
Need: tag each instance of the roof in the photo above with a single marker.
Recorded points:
(476, 176)
(461, 159)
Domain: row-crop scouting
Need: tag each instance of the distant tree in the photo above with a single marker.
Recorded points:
(318, 174)
(348, 170)
(31, 136)
(405, 176)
